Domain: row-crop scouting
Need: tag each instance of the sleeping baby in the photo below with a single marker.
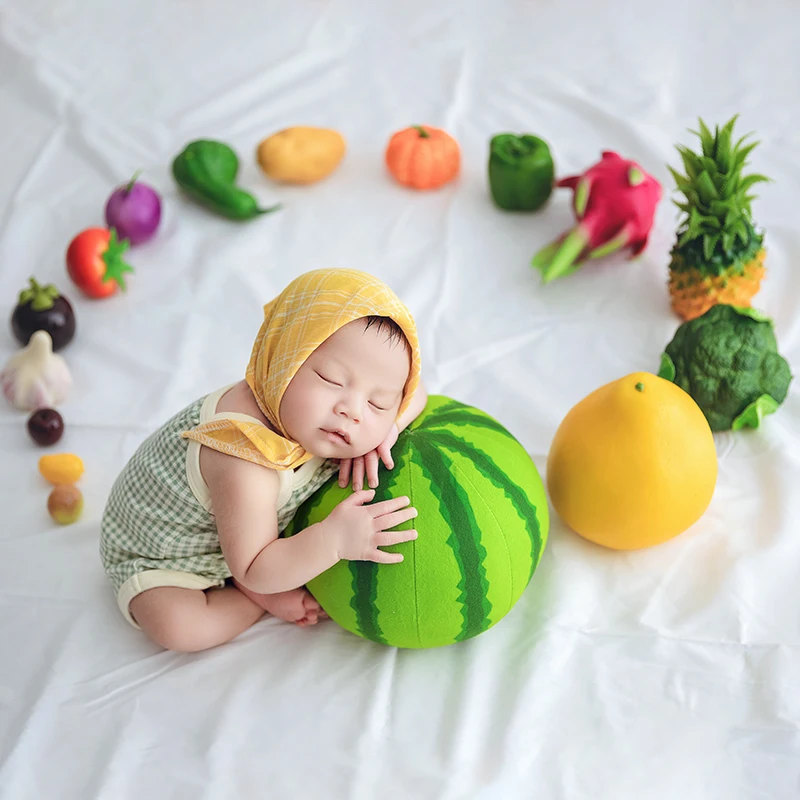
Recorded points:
(191, 531)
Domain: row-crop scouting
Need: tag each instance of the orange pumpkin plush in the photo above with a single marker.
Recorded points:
(423, 157)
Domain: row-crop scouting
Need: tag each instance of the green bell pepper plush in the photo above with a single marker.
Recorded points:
(521, 171)
(206, 171)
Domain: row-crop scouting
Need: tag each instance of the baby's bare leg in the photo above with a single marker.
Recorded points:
(188, 620)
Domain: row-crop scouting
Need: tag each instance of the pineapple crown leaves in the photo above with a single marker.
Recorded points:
(716, 200)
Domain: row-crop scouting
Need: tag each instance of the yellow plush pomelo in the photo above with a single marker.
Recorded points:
(633, 464)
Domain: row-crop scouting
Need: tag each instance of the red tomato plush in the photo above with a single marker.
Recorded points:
(94, 262)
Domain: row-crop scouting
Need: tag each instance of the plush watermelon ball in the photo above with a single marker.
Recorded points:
(483, 523)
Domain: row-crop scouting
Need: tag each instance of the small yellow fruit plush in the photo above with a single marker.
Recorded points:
(633, 464)
(301, 154)
(61, 468)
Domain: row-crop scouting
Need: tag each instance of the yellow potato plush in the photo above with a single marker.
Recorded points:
(301, 154)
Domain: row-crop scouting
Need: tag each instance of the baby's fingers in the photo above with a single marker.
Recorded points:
(387, 538)
(396, 518)
(358, 473)
(387, 506)
(359, 498)
(385, 453)
(344, 471)
(371, 464)
(379, 557)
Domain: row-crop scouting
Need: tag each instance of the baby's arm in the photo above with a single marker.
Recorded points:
(245, 496)
(245, 505)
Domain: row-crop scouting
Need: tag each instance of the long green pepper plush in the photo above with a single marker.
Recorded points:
(521, 171)
(206, 171)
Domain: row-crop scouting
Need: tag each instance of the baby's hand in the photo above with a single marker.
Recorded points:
(361, 529)
(368, 463)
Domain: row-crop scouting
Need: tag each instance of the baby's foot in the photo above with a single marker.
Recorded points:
(296, 605)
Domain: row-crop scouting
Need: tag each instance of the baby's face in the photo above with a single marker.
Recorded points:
(345, 397)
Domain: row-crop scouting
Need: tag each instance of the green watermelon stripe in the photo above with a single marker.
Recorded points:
(464, 540)
(364, 586)
(300, 519)
(403, 461)
(456, 418)
(414, 566)
(426, 420)
(438, 405)
(500, 527)
(364, 582)
(364, 579)
(524, 508)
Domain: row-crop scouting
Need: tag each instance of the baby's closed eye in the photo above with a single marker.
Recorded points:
(385, 400)
(327, 380)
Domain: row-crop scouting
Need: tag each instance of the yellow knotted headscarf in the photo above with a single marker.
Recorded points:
(309, 310)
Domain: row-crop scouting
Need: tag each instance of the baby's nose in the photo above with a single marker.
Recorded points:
(349, 409)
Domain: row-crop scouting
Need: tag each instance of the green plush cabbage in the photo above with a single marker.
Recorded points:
(728, 361)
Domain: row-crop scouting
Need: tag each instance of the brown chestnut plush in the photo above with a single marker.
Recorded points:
(45, 426)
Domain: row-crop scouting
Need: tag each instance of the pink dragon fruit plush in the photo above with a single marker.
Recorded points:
(615, 202)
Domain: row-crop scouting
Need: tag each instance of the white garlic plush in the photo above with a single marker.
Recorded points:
(36, 377)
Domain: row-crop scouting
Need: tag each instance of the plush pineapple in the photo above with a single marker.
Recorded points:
(718, 256)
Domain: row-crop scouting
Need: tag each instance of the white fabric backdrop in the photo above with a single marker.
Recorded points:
(661, 674)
